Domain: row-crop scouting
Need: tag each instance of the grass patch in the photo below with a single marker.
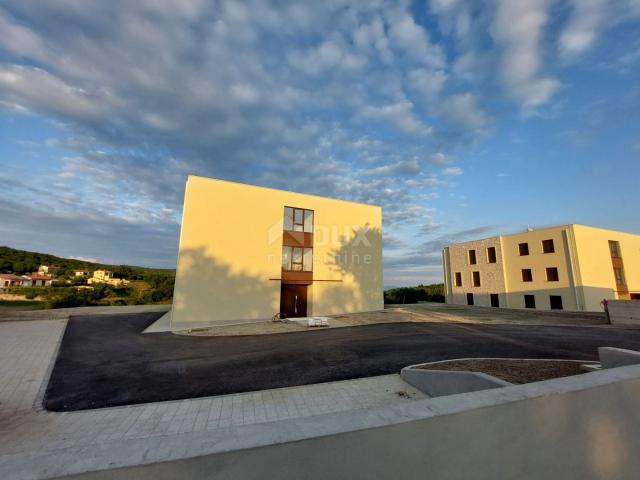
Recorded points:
(21, 305)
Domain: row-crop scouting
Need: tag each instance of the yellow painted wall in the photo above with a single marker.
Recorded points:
(594, 261)
(231, 246)
(538, 262)
(581, 255)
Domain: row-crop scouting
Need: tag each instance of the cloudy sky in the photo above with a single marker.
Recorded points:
(461, 118)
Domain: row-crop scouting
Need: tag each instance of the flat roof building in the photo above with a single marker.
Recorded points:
(249, 252)
(571, 267)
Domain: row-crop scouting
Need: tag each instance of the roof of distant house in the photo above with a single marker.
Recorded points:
(10, 276)
(37, 276)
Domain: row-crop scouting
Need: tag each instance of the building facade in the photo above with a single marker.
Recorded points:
(106, 276)
(570, 267)
(249, 252)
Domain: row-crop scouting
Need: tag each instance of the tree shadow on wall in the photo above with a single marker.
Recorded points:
(359, 262)
(208, 290)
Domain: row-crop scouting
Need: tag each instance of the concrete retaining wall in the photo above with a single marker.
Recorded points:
(611, 357)
(624, 312)
(437, 383)
(582, 427)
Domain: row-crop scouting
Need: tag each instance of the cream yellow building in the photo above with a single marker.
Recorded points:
(571, 267)
(249, 253)
(106, 276)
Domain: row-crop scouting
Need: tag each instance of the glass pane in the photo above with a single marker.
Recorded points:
(288, 218)
(308, 260)
(297, 267)
(297, 255)
(297, 228)
(308, 221)
(286, 258)
(298, 217)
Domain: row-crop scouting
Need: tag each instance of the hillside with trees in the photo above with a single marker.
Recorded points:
(420, 293)
(146, 285)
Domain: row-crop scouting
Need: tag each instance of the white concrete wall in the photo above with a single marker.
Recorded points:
(624, 312)
(583, 427)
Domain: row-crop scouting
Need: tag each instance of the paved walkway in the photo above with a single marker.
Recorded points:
(26, 355)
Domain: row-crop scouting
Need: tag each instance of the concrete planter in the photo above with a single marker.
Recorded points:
(438, 383)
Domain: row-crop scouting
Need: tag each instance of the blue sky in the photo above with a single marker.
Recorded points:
(462, 119)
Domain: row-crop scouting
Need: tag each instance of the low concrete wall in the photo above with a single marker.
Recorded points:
(437, 383)
(582, 427)
(624, 312)
(611, 357)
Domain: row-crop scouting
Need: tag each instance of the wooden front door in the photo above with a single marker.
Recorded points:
(293, 300)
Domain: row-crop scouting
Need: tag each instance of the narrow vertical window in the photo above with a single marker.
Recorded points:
(288, 218)
(472, 257)
(547, 246)
(491, 255)
(286, 258)
(307, 261)
(476, 279)
(458, 279)
(308, 221)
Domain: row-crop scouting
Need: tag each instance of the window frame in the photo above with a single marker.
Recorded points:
(617, 253)
(457, 279)
(475, 256)
(294, 223)
(558, 306)
(492, 258)
(557, 274)
(533, 298)
(291, 263)
(545, 243)
(623, 281)
(476, 275)
(530, 275)
(523, 246)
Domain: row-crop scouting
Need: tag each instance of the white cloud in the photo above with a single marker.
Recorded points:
(587, 18)
(518, 28)
(464, 109)
(400, 114)
(452, 171)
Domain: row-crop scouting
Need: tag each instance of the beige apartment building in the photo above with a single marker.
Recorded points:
(570, 267)
(248, 253)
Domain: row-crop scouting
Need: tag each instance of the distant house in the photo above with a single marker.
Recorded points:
(81, 273)
(38, 280)
(106, 276)
(47, 270)
(10, 280)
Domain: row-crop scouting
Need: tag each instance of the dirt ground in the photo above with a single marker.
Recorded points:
(514, 371)
(422, 312)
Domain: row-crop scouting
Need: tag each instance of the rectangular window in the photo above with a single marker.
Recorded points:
(523, 249)
(491, 255)
(527, 276)
(547, 246)
(298, 220)
(552, 274)
(495, 299)
(472, 257)
(296, 259)
(286, 258)
(307, 260)
(619, 273)
(529, 301)
(469, 298)
(555, 302)
(614, 248)
(476, 279)
(458, 279)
